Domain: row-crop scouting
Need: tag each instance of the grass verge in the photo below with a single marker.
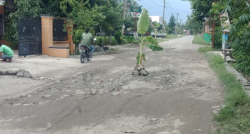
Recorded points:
(205, 49)
(234, 118)
(199, 40)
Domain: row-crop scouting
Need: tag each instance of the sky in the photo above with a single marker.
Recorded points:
(155, 8)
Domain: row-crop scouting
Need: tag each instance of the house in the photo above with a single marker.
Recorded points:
(2, 22)
(158, 19)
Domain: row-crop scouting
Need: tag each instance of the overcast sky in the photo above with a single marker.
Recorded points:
(155, 8)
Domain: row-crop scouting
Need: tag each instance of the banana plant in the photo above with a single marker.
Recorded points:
(148, 41)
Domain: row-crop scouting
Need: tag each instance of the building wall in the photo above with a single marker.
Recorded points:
(2, 12)
(158, 19)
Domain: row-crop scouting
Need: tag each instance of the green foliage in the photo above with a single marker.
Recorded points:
(234, 117)
(199, 40)
(193, 25)
(143, 23)
(239, 31)
(118, 36)
(130, 39)
(218, 40)
(102, 40)
(201, 9)
(172, 24)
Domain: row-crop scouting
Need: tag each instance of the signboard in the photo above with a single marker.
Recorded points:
(135, 14)
(225, 23)
(136, 9)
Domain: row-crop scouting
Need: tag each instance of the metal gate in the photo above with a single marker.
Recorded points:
(29, 36)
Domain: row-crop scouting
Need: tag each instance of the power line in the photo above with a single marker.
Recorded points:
(156, 4)
(172, 11)
(170, 5)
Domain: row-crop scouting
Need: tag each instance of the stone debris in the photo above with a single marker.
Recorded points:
(140, 70)
(64, 96)
(46, 96)
(18, 73)
(79, 92)
(2, 72)
(27, 74)
(92, 92)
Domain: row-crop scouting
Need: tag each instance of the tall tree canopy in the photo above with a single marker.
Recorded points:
(172, 24)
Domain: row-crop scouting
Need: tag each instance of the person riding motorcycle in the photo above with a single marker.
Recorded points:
(87, 40)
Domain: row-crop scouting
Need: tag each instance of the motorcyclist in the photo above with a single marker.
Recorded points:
(87, 40)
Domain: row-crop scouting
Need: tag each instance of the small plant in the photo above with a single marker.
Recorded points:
(148, 41)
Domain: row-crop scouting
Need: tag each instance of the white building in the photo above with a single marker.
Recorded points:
(158, 19)
(2, 2)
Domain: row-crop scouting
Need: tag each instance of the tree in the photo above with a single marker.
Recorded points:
(113, 19)
(82, 16)
(171, 24)
(193, 25)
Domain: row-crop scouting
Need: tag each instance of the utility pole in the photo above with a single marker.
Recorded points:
(213, 30)
(124, 13)
(180, 24)
(163, 16)
(176, 23)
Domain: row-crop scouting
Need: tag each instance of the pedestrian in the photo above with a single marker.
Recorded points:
(87, 40)
(6, 54)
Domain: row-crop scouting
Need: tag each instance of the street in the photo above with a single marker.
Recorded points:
(102, 97)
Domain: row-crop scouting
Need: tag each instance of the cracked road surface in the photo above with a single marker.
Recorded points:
(102, 97)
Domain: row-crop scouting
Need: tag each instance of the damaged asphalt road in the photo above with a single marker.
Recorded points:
(177, 97)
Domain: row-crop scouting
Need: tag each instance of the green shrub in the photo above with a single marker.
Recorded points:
(105, 40)
(118, 35)
(218, 40)
(199, 40)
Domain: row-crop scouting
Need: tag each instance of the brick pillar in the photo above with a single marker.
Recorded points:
(47, 33)
(70, 37)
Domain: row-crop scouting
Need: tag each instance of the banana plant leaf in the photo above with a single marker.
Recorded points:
(151, 40)
(143, 23)
(143, 57)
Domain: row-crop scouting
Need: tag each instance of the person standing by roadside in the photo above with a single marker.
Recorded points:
(6, 53)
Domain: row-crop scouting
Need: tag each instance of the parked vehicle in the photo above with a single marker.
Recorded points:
(163, 35)
(131, 33)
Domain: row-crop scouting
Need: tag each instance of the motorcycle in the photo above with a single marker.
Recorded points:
(85, 53)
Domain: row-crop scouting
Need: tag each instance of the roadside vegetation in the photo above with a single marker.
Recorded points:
(198, 40)
(234, 118)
